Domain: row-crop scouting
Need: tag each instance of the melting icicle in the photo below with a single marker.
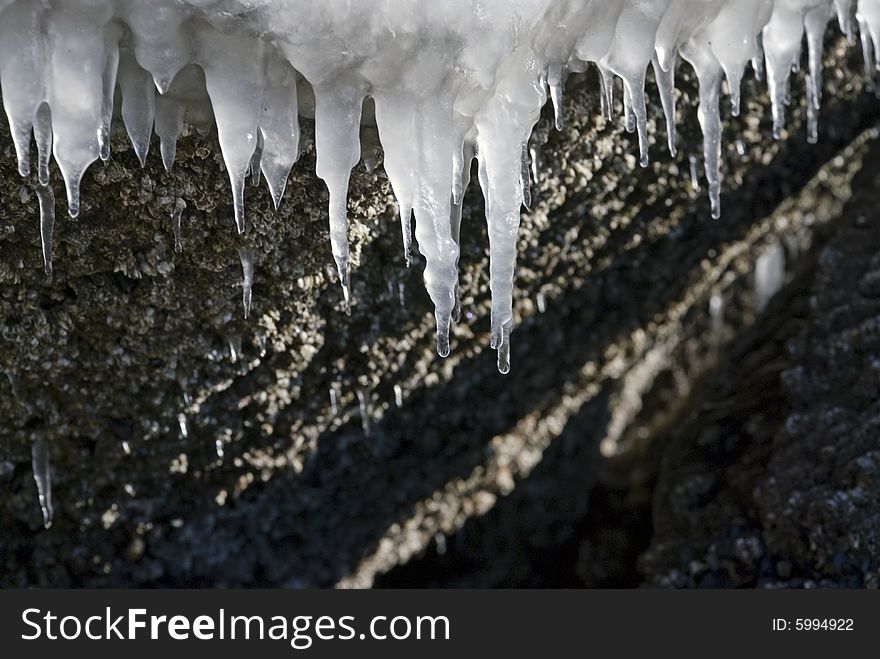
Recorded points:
(46, 200)
(246, 256)
(525, 178)
(138, 104)
(43, 478)
(181, 422)
(398, 396)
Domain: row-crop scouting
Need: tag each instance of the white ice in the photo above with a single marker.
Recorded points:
(440, 82)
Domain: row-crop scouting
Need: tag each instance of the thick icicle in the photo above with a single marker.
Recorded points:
(338, 145)
(169, 124)
(22, 73)
(709, 75)
(433, 210)
(43, 138)
(176, 217)
(501, 132)
(782, 48)
(279, 126)
(138, 104)
(815, 22)
(395, 119)
(234, 67)
(556, 84)
(77, 53)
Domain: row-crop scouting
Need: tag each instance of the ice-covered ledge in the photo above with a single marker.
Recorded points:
(448, 82)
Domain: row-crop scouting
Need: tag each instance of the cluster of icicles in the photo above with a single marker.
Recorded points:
(449, 81)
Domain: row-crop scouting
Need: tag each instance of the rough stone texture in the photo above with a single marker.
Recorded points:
(774, 479)
(540, 477)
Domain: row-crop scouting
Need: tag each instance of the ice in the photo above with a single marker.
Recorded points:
(40, 450)
(436, 83)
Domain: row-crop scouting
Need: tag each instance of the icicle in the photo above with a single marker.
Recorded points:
(246, 255)
(709, 73)
(22, 73)
(406, 233)
(398, 396)
(234, 67)
(234, 342)
(782, 47)
(334, 400)
(867, 52)
(666, 86)
(364, 411)
(433, 209)
(337, 142)
(169, 125)
(43, 477)
(77, 53)
(769, 275)
(279, 126)
(176, 217)
(46, 200)
(138, 105)
(500, 167)
(396, 122)
(556, 83)
(758, 60)
(181, 422)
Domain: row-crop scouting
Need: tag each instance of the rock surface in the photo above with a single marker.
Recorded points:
(191, 447)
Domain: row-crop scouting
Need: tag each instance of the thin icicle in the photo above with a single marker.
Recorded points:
(709, 74)
(40, 451)
(46, 200)
(246, 256)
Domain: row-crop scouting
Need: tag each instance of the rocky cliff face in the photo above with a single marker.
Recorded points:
(189, 446)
